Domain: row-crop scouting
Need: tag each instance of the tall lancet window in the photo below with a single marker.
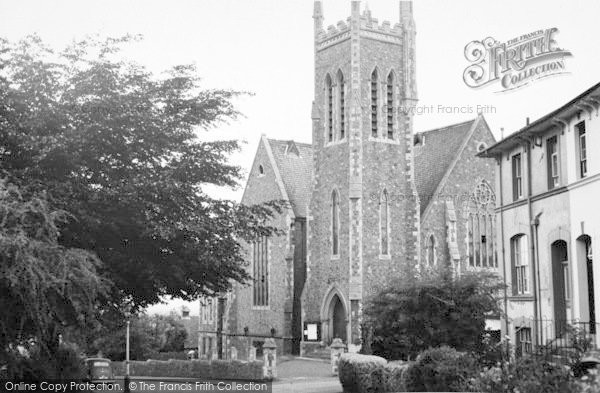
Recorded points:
(329, 93)
(342, 103)
(384, 227)
(335, 223)
(374, 103)
(390, 106)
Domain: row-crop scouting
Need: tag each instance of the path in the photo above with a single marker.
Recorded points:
(305, 376)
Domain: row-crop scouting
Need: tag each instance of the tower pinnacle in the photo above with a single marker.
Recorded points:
(318, 15)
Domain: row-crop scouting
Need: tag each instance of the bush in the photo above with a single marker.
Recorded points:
(179, 355)
(440, 370)
(215, 369)
(528, 374)
(37, 365)
(411, 316)
(393, 377)
(361, 373)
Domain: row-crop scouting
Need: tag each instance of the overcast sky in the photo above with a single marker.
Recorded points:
(266, 47)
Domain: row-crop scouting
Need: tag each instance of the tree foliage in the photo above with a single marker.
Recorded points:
(411, 316)
(148, 335)
(44, 285)
(117, 148)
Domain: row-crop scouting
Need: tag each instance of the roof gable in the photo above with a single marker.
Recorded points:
(264, 180)
(294, 163)
(434, 155)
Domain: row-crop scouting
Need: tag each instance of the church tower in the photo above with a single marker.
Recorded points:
(364, 209)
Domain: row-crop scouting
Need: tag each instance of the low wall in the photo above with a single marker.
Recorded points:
(215, 369)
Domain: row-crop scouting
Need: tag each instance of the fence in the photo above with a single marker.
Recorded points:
(558, 339)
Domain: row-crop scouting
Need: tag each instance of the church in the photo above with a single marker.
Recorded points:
(370, 200)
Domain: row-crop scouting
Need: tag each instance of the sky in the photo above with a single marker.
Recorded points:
(266, 47)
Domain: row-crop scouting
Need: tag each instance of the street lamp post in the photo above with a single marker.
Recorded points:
(126, 381)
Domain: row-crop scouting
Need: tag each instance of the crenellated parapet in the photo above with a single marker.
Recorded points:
(369, 26)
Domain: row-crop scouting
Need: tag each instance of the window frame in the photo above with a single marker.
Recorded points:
(390, 104)
(431, 248)
(260, 273)
(523, 340)
(342, 116)
(329, 108)
(553, 162)
(374, 104)
(335, 224)
(582, 149)
(521, 276)
(517, 176)
(384, 227)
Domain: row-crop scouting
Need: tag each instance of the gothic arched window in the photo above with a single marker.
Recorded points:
(329, 93)
(431, 251)
(335, 223)
(341, 103)
(390, 105)
(481, 227)
(384, 227)
(374, 103)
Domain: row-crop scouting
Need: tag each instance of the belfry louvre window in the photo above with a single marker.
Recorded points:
(329, 92)
(261, 272)
(552, 148)
(580, 128)
(390, 106)
(342, 104)
(374, 103)
(517, 177)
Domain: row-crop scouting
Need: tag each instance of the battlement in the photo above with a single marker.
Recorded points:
(370, 25)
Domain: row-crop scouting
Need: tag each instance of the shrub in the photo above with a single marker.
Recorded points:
(215, 369)
(440, 370)
(528, 374)
(408, 317)
(589, 383)
(361, 373)
(37, 365)
(393, 377)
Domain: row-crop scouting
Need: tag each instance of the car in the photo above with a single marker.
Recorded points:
(99, 371)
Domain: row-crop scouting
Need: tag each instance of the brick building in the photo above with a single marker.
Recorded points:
(370, 200)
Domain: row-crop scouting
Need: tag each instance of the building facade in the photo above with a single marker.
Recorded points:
(370, 201)
(548, 178)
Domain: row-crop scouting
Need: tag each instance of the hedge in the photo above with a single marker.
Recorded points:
(215, 369)
(440, 369)
(365, 373)
(168, 355)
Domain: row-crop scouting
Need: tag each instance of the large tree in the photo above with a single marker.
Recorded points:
(431, 310)
(44, 286)
(117, 148)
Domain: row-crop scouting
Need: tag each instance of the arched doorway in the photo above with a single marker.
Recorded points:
(334, 315)
(561, 283)
(338, 319)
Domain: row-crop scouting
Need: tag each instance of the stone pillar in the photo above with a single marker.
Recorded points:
(270, 359)
(337, 349)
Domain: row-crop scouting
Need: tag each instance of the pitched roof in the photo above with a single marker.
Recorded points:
(434, 155)
(294, 161)
(551, 119)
